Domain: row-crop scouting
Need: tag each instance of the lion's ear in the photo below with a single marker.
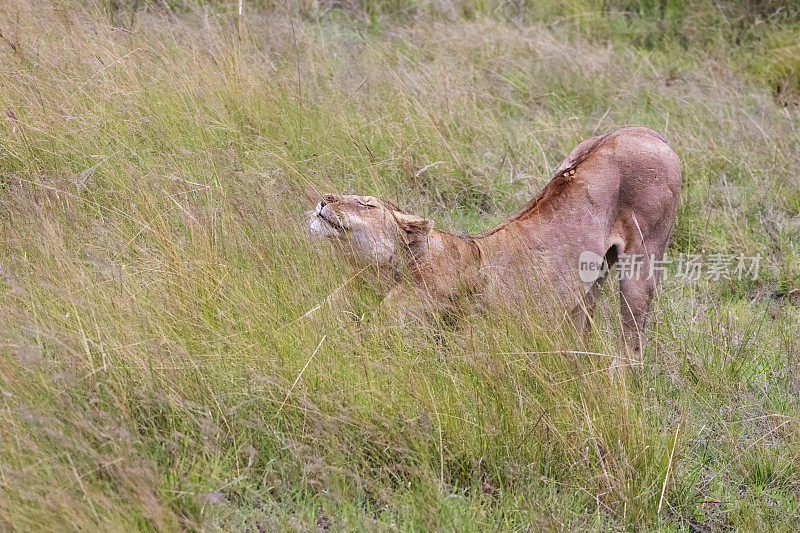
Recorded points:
(414, 225)
(391, 205)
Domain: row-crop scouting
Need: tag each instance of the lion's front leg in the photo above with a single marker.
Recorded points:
(406, 303)
(403, 303)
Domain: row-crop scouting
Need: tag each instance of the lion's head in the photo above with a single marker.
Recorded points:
(368, 229)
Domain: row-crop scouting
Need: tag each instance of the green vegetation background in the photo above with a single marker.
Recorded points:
(159, 368)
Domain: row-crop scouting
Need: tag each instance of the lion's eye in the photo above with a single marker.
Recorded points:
(365, 204)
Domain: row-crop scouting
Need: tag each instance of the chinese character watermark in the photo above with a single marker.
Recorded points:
(691, 267)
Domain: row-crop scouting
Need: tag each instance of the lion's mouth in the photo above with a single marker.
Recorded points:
(330, 221)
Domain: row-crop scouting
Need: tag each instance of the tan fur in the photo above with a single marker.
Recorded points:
(614, 194)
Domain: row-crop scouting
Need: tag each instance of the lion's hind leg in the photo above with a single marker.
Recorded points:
(582, 313)
(637, 287)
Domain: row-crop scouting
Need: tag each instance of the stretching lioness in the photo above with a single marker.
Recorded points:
(615, 194)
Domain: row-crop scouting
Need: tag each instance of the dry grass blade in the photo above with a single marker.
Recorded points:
(289, 392)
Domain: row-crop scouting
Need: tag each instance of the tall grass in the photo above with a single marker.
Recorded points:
(159, 366)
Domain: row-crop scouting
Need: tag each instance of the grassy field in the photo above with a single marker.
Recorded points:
(159, 369)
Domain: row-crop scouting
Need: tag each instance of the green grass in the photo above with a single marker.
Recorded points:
(159, 370)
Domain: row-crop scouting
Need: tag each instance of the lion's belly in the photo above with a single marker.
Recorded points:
(543, 280)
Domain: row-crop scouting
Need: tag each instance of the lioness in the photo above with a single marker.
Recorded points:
(614, 194)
